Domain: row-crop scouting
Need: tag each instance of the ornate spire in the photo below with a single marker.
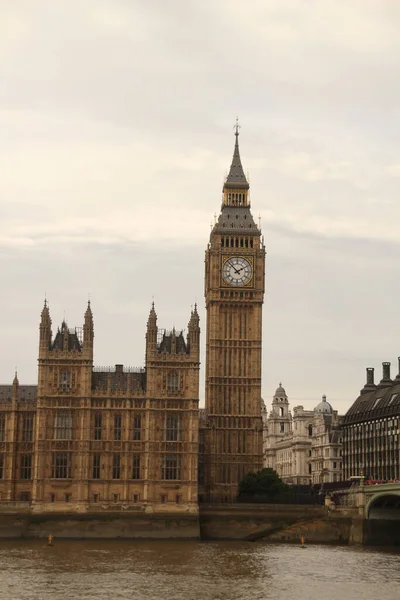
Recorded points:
(45, 314)
(236, 178)
(152, 320)
(194, 317)
(15, 387)
(88, 328)
(45, 327)
(88, 313)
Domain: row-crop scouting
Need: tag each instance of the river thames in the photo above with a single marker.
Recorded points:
(195, 571)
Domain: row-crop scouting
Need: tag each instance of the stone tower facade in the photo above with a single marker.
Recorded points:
(279, 424)
(234, 294)
(89, 437)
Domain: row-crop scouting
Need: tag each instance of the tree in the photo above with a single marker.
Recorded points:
(265, 483)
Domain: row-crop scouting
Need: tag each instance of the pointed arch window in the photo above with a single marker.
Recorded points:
(65, 380)
(173, 427)
(173, 383)
(62, 425)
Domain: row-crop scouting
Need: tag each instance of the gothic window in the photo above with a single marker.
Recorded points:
(117, 427)
(26, 466)
(171, 466)
(97, 426)
(225, 473)
(173, 428)
(137, 427)
(2, 427)
(173, 382)
(27, 428)
(241, 442)
(62, 426)
(65, 380)
(1, 465)
(62, 465)
(116, 474)
(96, 466)
(136, 466)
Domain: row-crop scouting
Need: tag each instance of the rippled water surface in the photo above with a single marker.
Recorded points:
(195, 571)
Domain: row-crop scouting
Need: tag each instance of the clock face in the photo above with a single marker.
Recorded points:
(237, 271)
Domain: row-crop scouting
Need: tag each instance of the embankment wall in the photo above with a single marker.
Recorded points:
(279, 523)
(99, 526)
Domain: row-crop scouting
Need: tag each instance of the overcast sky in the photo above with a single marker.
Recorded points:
(116, 133)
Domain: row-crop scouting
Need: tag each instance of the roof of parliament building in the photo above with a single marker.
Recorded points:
(376, 401)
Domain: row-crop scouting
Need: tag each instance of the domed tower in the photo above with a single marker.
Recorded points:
(279, 425)
(323, 408)
(280, 418)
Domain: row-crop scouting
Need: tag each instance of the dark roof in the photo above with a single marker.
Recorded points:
(73, 340)
(26, 393)
(166, 343)
(236, 219)
(236, 178)
(119, 380)
(376, 404)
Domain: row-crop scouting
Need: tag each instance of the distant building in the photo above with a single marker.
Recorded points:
(303, 448)
(371, 444)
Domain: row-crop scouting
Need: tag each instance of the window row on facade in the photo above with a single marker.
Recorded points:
(96, 497)
(63, 427)
(26, 420)
(61, 466)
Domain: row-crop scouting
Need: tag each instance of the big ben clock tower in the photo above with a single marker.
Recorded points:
(234, 293)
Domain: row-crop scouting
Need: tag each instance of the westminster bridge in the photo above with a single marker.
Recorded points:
(372, 501)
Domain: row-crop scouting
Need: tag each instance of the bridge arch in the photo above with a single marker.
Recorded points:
(384, 505)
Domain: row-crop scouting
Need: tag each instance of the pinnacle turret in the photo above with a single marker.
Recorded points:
(152, 320)
(88, 327)
(15, 381)
(15, 387)
(45, 327)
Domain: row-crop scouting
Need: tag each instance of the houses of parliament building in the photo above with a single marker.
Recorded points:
(86, 436)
